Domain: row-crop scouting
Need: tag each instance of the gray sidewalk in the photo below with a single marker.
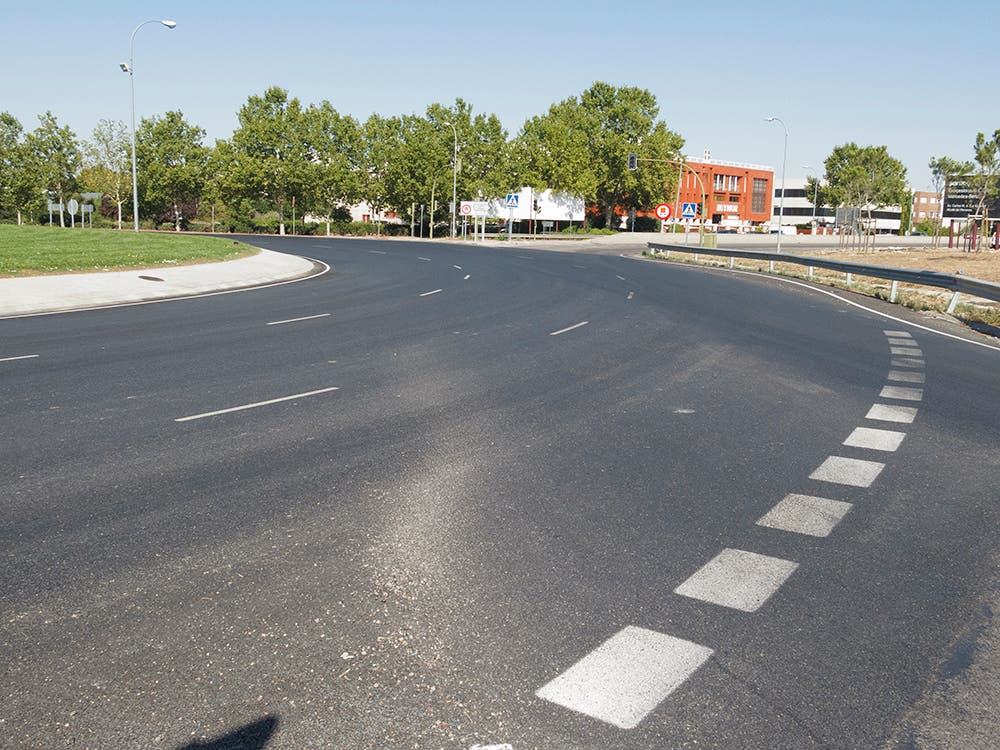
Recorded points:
(42, 294)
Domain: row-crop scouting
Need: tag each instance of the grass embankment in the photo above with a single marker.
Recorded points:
(980, 265)
(29, 251)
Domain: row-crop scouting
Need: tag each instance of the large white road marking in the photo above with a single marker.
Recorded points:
(23, 356)
(626, 677)
(853, 472)
(254, 406)
(434, 291)
(738, 579)
(296, 320)
(901, 393)
(890, 413)
(876, 440)
(901, 376)
(804, 514)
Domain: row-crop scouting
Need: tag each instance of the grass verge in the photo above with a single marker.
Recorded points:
(28, 251)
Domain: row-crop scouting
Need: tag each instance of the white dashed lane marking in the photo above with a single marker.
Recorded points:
(738, 579)
(902, 393)
(377, 252)
(901, 376)
(906, 351)
(904, 334)
(804, 514)
(424, 259)
(254, 406)
(23, 356)
(891, 413)
(298, 320)
(908, 362)
(901, 342)
(876, 440)
(433, 291)
(626, 677)
(853, 472)
(571, 328)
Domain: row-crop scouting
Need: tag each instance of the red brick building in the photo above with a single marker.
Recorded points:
(737, 195)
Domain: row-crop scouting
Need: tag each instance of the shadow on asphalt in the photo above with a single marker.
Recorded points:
(249, 737)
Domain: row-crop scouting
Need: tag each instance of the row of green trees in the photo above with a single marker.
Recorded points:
(285, 153)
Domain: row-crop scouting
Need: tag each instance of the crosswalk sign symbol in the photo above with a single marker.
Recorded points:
(689, 211)
(512, 200)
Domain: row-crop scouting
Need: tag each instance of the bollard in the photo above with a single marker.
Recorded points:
(850, 279)
(953, 303)
(732, 261)
(893, 291)
(811, 269)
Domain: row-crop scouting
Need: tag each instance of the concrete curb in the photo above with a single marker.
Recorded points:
(41, 295)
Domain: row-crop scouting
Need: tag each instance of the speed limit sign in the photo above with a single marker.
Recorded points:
(663, 211)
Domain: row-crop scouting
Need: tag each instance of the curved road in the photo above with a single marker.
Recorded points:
(445, 496)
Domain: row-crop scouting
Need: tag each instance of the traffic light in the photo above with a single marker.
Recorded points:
(633, 162)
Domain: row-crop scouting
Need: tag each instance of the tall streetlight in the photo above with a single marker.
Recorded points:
(454, 179)
(784, 155)
(129, 68)
(815, 194)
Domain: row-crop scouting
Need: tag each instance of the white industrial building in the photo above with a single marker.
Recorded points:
(798, 210)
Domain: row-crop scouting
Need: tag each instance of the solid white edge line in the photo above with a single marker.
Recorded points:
(326, 269)
(253, 406)
(829, 294)
(571, 328)
(428, 294)
(24, 356)
(296, 320)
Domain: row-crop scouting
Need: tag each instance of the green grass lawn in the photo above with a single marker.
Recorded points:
(28, 250)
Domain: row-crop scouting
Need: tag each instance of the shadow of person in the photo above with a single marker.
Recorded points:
(249, 737)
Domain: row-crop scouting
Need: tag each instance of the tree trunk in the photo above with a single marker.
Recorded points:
(328, 227)
(19, 217)
(120, 215)
(609, 215)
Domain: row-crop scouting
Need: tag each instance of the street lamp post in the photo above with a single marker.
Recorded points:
(129, 68)
(454, 179)
(784, 155)
(815, 195)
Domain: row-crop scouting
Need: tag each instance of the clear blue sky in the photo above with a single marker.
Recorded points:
(919, 77)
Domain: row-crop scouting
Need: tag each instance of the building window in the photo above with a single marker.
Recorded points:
(719, 182)
(759, 196)
(734, 183)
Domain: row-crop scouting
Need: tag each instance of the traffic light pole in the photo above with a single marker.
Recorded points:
(633, 164)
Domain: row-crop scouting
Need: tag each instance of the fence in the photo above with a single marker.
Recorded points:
(956, 283)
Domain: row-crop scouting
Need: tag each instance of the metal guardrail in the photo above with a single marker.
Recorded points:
(956, 283)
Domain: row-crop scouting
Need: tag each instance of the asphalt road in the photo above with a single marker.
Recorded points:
(446, 496)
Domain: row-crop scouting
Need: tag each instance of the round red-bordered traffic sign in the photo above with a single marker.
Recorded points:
(663, 211)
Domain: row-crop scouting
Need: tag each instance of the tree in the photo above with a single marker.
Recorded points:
(107, 159)
(985, 178)
(11, 155)
(51, 161)
(944, 170)
(271, 156)
(173, 160)
(862, 179)
(335, 143)
(593, 134)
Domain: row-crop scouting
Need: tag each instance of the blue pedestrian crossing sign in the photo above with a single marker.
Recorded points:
(512, 200)
(689, 210)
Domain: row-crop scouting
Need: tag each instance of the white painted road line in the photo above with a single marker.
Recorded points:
(23, 356)
(467, 277)
(738, 579)
(904, 334)
(626, 677)
(571, 328)
(902, 393)
(254, 406)
(428, 294)
(620, 278)
(901, 342)
(891, 413)
(906, 351)
(377, 252)
(853, 472)
(901, 376)
(908, 362)
(630, 295)
(458, 267)
(804, 514)
(422, 258)
(876, 440)
(296, 320)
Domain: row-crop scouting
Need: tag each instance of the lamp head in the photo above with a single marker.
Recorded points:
(169, 24)
(125, 68)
